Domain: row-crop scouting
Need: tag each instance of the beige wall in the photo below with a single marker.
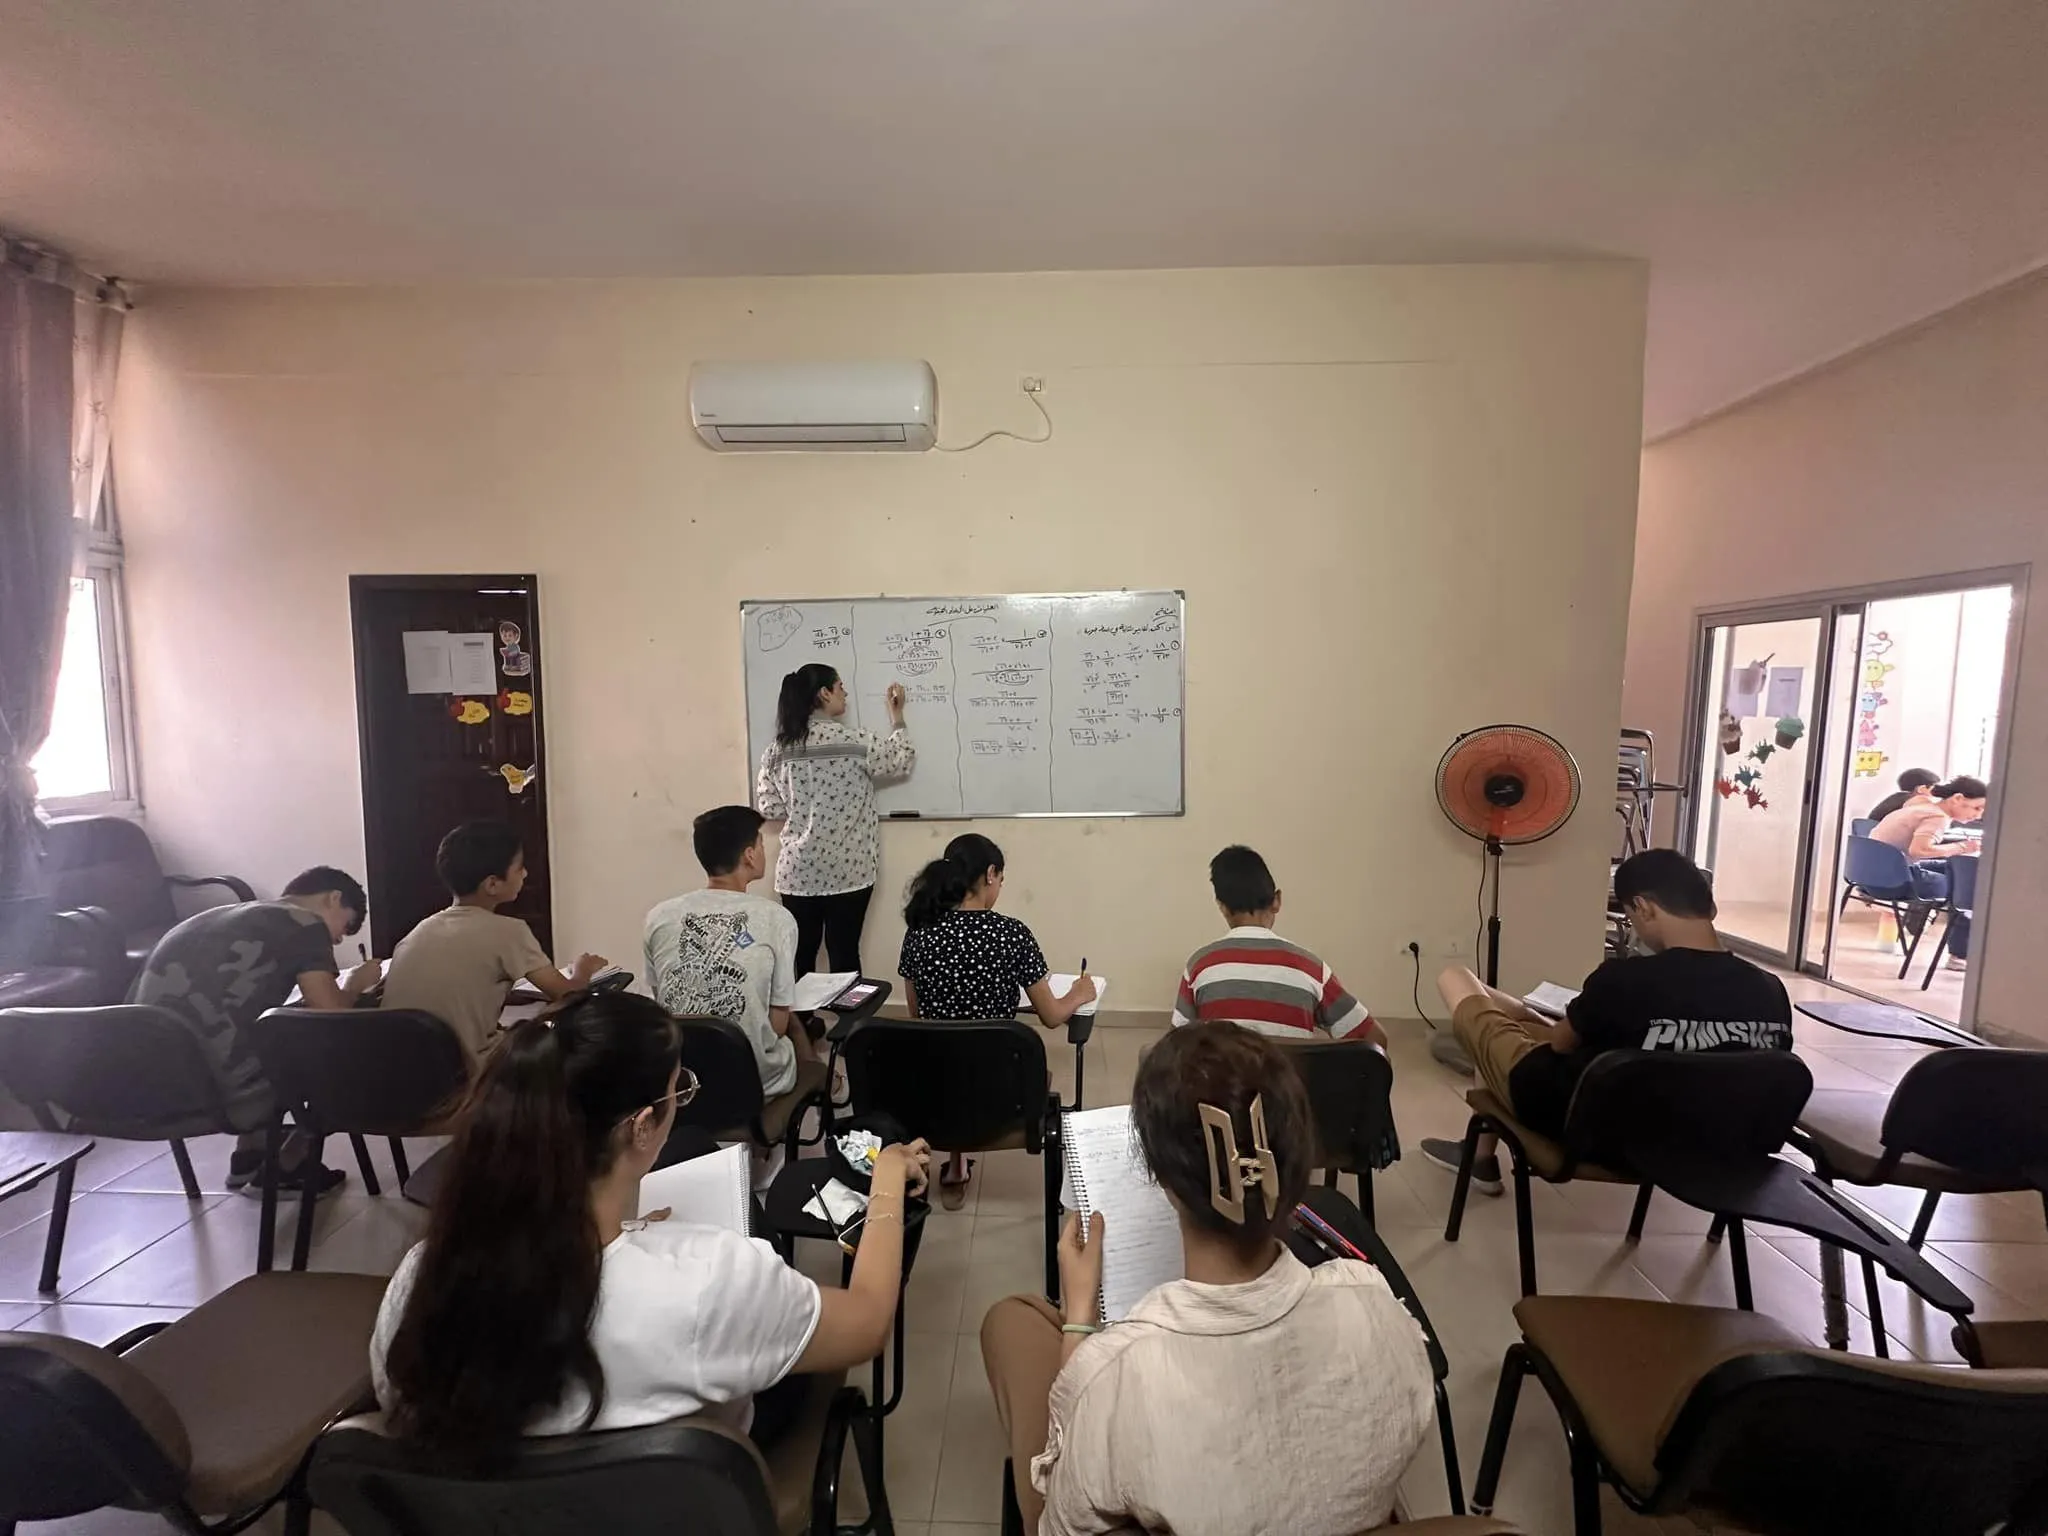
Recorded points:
(1400, 501)
(1924, 456)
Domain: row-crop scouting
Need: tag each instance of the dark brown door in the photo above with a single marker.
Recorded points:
(434, 757)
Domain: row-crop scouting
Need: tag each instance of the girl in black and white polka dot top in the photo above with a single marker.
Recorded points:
(962, 959)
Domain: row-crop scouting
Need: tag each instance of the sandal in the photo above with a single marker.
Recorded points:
(953, 1192)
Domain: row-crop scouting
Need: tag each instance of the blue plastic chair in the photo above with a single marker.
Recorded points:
(1962, 902)
(1880, 875)
(1862, 826)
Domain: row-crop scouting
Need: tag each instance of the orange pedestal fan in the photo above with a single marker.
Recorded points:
(1505, 784)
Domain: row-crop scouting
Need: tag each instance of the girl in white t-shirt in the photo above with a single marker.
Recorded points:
(538, 1303)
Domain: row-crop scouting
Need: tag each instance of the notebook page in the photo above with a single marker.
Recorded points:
(1551, 1000)
(1059, 983)
(715, 1190)
(820, 988)
(1141, 1237)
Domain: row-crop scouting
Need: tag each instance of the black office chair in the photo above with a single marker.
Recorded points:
(977, 1086)
(729, 1104)
(1351, 1095)
(1735, 1418)
(390, 1072)
(1966, 1121)
(125, 1073)
(205, 1420)
(696, 1474)
(1962, 902)
(1728, 1107)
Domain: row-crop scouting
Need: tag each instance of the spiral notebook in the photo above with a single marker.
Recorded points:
(715, 1190)
(1104, 1171)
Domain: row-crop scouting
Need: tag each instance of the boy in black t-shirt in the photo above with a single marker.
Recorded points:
(1687, 994)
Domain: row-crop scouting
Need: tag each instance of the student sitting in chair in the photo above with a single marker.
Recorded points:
(459, 964)
(1256, 1394)
(1252, 976)
(962, 959)
(221, 970)
(541, 1303)
(1914, 785)
(1687, 994)
(725, 953)
(1920, 829)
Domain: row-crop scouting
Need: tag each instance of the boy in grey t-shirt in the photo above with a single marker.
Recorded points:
(725, 953)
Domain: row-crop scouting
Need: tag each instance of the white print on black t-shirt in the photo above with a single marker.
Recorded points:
(1712, 1034)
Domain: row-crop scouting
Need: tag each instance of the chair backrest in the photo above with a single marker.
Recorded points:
(685, 1474)
(1871, 865)
(961, 1086)
(1962, 882)
(107, 862)
(1862, 826)
(1811, 1443)
(1350, 1093)
(1981, 1109)
(1636, 1108)
(81, 1429)
(372, 1071)
(131, 1072)
(728, 1077)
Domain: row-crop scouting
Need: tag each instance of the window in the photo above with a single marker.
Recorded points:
(84, 762)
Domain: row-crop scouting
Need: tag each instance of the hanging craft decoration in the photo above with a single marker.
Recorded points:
(469, 711)
(512, 702)
(1748, 778)
(1869, 700)
(517, 778)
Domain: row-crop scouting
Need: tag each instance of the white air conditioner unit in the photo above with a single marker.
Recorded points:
(870, 407)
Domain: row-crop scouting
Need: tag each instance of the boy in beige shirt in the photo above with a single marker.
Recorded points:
(459, 964)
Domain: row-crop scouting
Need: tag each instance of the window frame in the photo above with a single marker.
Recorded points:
(103, 562)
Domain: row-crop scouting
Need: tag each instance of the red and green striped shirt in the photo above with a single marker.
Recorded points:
(1253, 977)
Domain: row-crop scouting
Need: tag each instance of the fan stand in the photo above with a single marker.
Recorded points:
(1493, 854)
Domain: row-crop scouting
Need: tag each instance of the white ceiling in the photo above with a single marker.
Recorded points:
(1803, 175)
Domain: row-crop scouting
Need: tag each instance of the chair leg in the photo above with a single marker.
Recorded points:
(185, 1174)
(1717, 1229)
(1924, 1220)
(368, 1168)
(1447, 1432)
(266, 1231)
(1366, 1206)
(867, 1447)
(1738, 1261)
(1585, 1480)
(1463, 1186)
(1513, 1368)
(1878, 1344)
(298, 1513)
(309, 1195)
(399, 1165)
(1525, 1227)
(1642, 1210)
(60, 1218)
(1013, 1517)
(1912, 944)
(1051, 1156)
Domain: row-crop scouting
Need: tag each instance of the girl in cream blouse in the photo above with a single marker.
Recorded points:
(1256, 1393)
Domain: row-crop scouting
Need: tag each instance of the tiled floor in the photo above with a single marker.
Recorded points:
(139, 1250)
(1866, 953)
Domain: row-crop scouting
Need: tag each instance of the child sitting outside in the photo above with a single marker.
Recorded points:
(1252, 976)
(459, 964)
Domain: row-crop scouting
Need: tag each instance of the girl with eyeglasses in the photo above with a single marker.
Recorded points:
(539, 1303)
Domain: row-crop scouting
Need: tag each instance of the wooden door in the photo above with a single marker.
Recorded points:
(434, 759)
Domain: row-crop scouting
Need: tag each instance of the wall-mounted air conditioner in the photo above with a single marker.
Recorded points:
(859, 407)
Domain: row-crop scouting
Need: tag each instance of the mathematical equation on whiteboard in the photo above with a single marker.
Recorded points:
(1017, 705)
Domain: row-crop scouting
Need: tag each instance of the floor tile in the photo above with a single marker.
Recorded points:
(199, 1260)
(16, 1314)
(104, 1230)
(970, 1484)
(97, 1324)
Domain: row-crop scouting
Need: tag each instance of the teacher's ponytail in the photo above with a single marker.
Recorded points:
(799, 699)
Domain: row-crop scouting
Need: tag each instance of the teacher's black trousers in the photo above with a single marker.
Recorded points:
(836, 919)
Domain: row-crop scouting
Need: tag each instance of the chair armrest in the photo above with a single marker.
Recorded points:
(241, 888)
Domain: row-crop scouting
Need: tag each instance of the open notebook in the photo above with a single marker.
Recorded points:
(715, 1190)
(1059, 985)
(1551, 1000)
(820, 989)
(1141, 1236)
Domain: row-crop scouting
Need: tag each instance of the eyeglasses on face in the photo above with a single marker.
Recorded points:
(684, 1091)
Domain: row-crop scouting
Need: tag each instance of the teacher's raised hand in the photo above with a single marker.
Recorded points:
(894, 696)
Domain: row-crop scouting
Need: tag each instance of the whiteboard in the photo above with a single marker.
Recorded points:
(1046, 705)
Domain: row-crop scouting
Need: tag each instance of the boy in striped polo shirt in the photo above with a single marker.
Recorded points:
(1253, 977)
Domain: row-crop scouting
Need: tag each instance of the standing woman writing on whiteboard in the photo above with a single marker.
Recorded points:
(818, 779)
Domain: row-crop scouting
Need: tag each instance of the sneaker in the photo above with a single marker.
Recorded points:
(244, 1169)
(1448, 1154)
(325, 1182)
